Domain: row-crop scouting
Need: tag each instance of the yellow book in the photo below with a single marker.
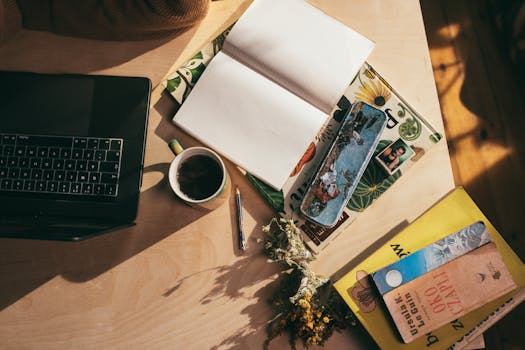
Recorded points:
(455, 211)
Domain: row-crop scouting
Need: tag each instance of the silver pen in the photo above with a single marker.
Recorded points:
(242, 240)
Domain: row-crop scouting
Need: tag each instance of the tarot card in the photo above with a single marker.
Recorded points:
(339, 172)
(394, 155)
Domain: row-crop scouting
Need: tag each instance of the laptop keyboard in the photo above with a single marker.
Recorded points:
(84, 166)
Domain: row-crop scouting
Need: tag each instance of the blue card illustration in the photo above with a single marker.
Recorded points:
(340, 172)
(431, 257)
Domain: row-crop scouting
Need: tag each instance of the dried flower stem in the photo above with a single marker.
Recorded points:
(306, 305)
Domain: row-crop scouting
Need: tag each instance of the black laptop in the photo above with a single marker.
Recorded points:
(71, 153)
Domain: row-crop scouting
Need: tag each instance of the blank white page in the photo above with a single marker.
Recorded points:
(300, 47)
(255, 123)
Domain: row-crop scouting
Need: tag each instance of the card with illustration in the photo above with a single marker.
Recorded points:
(394, 155)
(341, 169)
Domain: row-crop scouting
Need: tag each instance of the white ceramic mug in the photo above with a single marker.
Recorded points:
(216, 196)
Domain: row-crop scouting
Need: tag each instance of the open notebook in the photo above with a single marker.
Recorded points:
(282, 68)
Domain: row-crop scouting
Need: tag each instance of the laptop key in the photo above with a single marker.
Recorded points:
(14, 173)
(52, 186)
(29, 185)
(25, 173)
(79, 143)
(31, 152)
(115, 145)
(113, 156)
(94, 177)
(35, 163)
(111, 190)
(3, 161)
(87, 188)
(23, 162)
(3, 172)
(100, 155)
(58, 164)
(42, 152)
(12, 162)
(36, 174)
(48, 175)
(43, 141)
(71, 176)
(6, 184)
(75, 187)
(47, 163)
(63, 187)
(18, 185)
(9, 150)
(65, 153)
(82, 177)
(108, 178)
(99, 189)
(104, 144)
(40, 186)
(92, 166)
(60, 175)
(89, 154)
(54, 152)
(77, 154)
(20, 151)
(92, 143)
(108, 167)
(70, 164)
(81, 165)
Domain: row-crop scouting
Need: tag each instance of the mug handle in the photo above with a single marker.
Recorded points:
(175, 146)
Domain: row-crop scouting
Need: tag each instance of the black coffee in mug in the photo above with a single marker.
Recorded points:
(199, 176)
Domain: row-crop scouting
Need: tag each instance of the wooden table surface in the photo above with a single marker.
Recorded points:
(175, 279)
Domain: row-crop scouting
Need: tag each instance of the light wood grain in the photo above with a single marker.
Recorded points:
(175, 280)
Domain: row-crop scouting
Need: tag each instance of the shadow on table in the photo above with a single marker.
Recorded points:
(44, 52)
(27, 264)
(166, 129)
(480, 91)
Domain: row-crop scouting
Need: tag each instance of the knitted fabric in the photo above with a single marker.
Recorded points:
(10, 19)
(112, 19)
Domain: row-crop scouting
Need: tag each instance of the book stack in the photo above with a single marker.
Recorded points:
(443, 281)
(474, 254)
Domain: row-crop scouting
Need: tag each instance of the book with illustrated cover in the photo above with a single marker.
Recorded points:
(404, 127)
(430, 257)
(357, 290)
(250, 97)
(448, 292)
